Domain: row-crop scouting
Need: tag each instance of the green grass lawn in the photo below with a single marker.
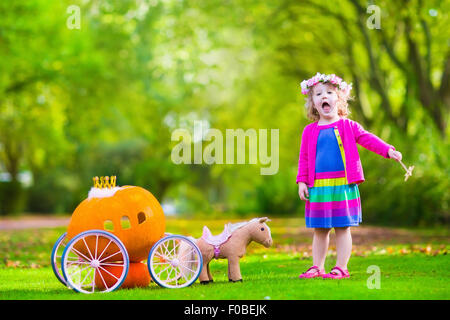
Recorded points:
(408, 270)
(402, 277)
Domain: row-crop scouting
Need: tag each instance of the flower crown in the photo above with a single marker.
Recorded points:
(306, 85)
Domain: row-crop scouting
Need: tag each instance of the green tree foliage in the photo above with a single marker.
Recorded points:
(105, 98)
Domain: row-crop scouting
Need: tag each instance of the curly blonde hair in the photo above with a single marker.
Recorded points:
(342, 104)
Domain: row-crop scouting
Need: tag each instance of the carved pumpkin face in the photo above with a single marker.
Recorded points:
(132, 214)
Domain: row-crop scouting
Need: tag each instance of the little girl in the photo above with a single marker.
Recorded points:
(329, 170)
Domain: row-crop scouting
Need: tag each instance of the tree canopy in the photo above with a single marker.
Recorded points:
(104, 97)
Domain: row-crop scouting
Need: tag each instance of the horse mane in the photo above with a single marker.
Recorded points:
(235, 226)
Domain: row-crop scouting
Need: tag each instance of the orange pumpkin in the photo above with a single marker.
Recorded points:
(138, 276)
(140, 209)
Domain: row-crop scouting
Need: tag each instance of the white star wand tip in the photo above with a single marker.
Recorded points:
(408, 170)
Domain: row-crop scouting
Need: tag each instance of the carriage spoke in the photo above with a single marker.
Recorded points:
(163, 270)
(103, 280)
(173, 249)
(80, 269)
(176, 277)
(87, 274)
(119, 264)
(159, 263)
(75, 271)
(160, 255)
(93, 281)
(160, 252)
(187, 268)
(163, 246)
(168, 275)
(190, 260)
(71, 263)
(166, 253)
(96, 245)
(101, 254)
(189, 252)
(184, 276)
(77, 259)
(89, 251)
(110, 256)
(79, 253)
(108, 272)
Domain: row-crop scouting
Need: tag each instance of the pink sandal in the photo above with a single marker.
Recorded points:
(336, 273)
(310, 275)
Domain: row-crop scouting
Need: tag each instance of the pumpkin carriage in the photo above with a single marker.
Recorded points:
(109, 236)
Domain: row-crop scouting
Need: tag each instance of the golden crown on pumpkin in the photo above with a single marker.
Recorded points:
(104, 182)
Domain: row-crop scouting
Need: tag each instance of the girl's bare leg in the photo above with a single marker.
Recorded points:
(320, 243)
(343, 246)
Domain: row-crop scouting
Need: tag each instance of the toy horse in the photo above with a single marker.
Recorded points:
(231, 244)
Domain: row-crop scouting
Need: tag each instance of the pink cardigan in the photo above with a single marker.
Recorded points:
(351, 133)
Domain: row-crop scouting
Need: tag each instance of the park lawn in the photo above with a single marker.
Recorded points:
(412, 266)
(269, 276)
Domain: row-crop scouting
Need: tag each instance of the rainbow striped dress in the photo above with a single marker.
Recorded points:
(332, 201)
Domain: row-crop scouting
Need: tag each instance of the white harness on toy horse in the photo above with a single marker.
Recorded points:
(216, 241)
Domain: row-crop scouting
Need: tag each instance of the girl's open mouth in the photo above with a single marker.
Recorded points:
(326, 107)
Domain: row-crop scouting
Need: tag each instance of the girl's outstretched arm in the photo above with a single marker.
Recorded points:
(370, 141)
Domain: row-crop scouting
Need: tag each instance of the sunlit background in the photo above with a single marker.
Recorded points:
(101, 92)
